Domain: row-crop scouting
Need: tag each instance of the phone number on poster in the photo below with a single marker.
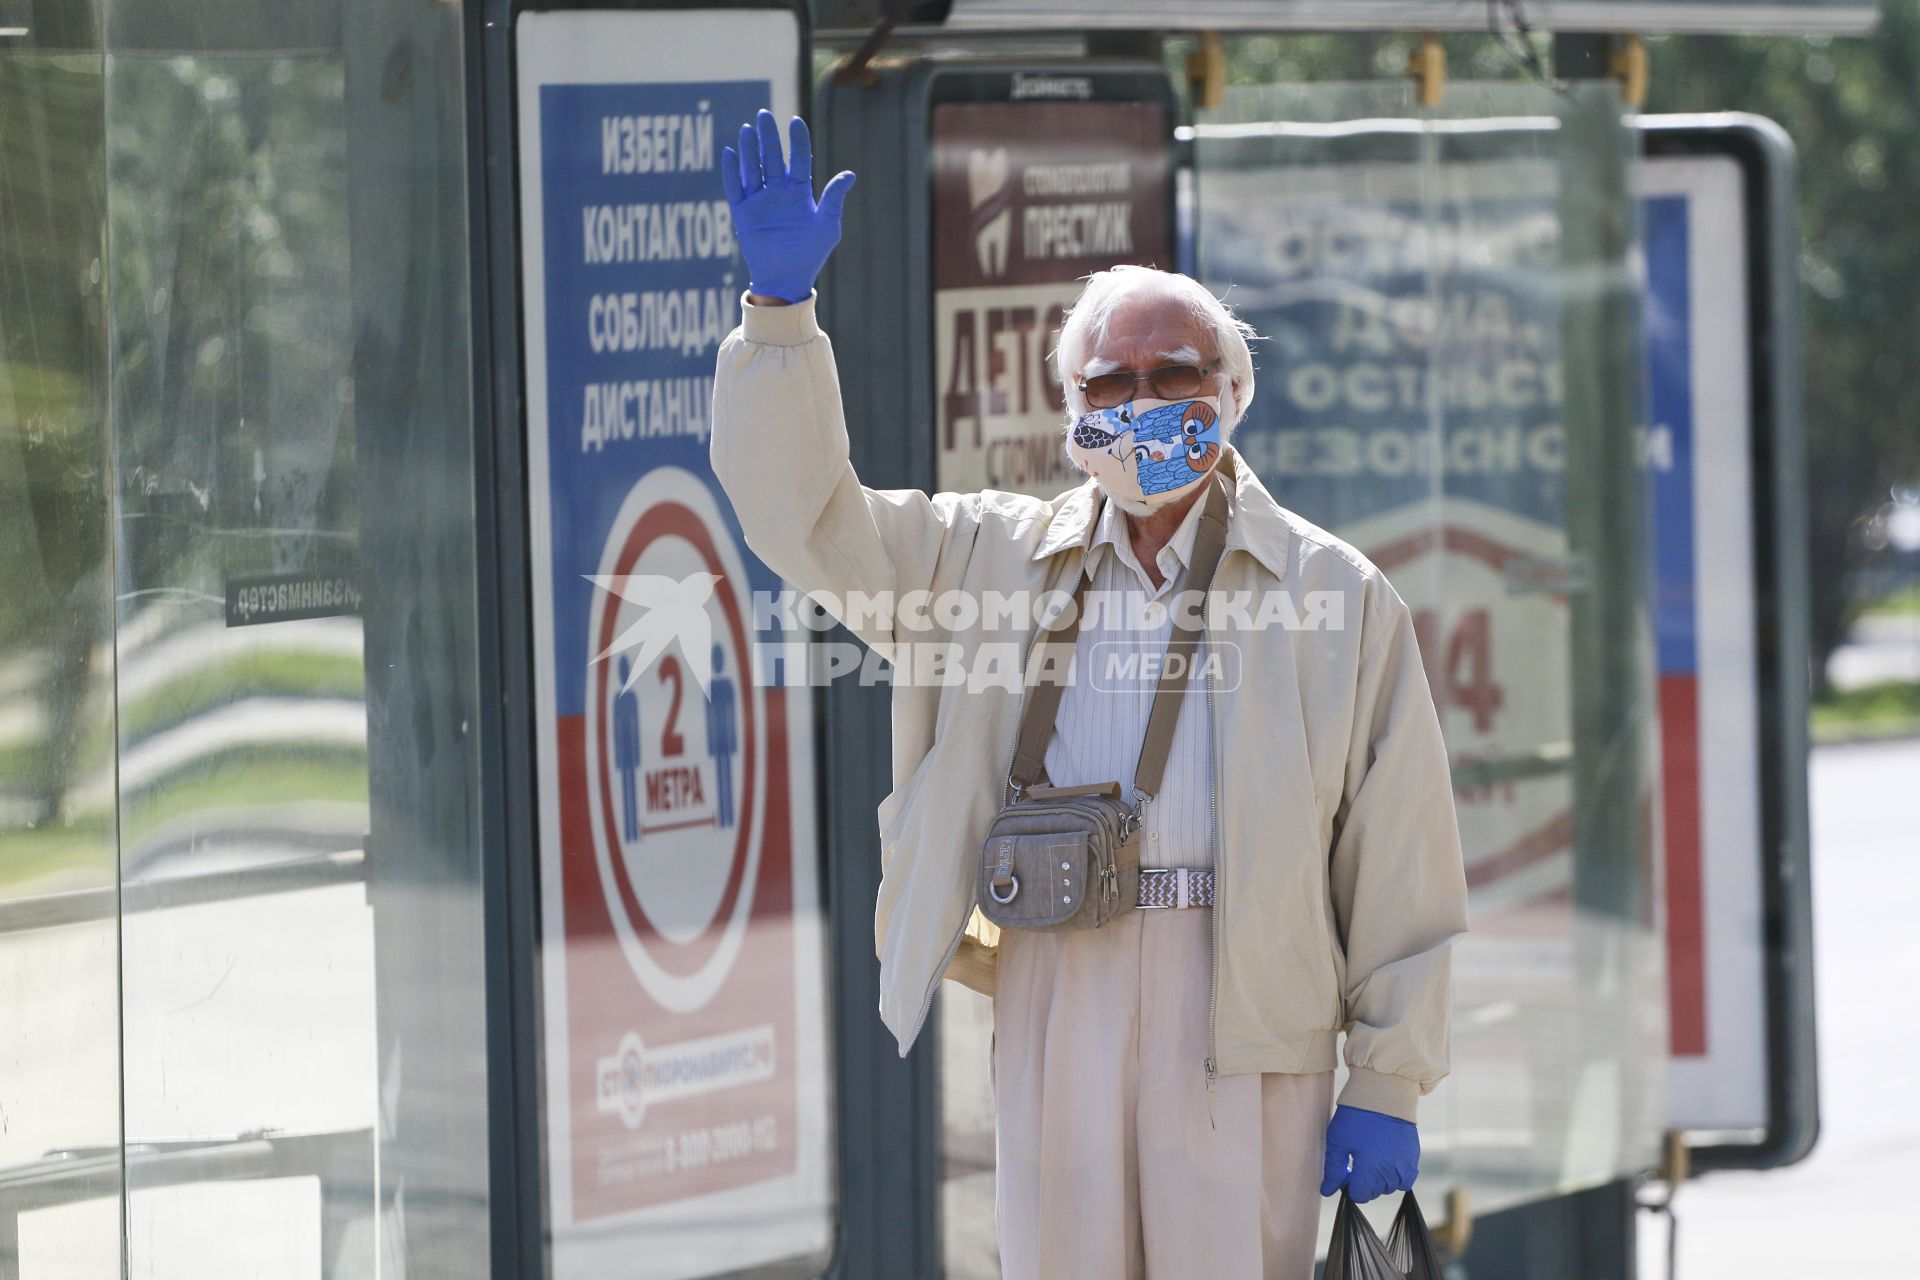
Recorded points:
(721, 1143)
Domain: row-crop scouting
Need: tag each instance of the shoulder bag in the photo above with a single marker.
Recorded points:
(1065, 858)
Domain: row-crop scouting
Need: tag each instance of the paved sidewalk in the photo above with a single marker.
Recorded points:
(1840, 1212)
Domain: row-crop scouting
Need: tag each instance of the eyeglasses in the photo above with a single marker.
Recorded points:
(1169, 382)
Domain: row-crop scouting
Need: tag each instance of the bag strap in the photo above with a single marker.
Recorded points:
(1043, 696)
(1209, 544)
(1042, 709)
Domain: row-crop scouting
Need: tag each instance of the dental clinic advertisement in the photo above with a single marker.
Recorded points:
(687, 1097)
(1029, 197)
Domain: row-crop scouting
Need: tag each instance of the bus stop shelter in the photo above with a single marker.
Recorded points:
(355, 919)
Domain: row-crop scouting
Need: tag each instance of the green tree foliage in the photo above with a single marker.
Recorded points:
(1850, 107)
(229, 303)
(174, 325)
(55, 589)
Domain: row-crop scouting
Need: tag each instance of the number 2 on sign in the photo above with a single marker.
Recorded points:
(671, 743)
(1460, 669)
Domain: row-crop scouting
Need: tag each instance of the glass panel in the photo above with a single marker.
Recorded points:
(304, 1016)
(59, 932)
(1451, 381)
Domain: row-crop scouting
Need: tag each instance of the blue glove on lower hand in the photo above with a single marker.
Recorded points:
(783, 234)
(1385, 1152)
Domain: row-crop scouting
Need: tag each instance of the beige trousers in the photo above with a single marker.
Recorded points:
(1109, 1167)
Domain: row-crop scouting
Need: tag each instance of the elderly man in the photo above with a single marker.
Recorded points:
(1163, 1081)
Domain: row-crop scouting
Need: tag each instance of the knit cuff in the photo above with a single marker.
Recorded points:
(1395, 1096)
(793, 325)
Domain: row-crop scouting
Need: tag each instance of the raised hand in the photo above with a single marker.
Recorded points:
(784, 234)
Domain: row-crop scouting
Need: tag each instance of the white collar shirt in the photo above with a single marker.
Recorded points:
(1103, 713)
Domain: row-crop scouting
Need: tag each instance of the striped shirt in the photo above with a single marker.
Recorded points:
(1103, 712)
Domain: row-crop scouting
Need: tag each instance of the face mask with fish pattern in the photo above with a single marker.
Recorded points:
(1149, 452)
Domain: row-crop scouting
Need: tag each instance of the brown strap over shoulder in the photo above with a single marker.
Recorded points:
(1052, 652)
(1183, 648)
(1047, 684)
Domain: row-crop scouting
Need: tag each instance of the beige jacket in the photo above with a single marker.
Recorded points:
(1341, 882)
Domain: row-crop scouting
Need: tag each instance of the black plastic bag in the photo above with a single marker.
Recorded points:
(1357, 1253)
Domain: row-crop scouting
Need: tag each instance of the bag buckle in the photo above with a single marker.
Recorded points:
(1003, 874)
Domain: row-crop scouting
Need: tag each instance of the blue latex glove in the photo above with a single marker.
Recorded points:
(1385, 1151)
(783, 234)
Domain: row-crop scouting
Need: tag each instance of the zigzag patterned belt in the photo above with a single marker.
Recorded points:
(1175, 887)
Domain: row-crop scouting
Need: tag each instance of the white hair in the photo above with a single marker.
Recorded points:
(1086, 327)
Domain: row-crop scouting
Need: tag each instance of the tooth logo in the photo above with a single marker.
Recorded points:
(990, 197)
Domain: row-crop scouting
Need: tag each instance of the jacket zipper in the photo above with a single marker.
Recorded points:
(1219, 881)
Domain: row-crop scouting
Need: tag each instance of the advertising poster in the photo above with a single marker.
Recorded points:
(1029, 197)
(1694, 229)
(687, 1092)
(1371, 342)
(1411, 400)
